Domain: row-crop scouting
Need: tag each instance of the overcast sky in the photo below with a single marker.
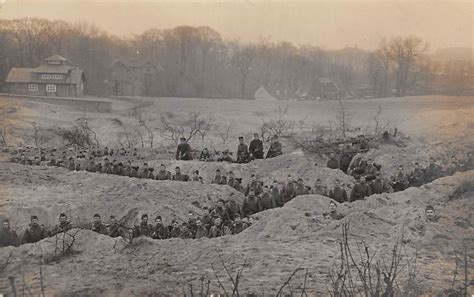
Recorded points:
(331, 24)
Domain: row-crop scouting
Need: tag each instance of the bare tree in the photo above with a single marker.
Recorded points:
(188, 128)
(343, 117)
(224, 133)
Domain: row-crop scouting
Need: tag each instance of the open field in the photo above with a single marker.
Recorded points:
(280, 241)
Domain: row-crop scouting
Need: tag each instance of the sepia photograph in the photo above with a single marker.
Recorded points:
(236, 148)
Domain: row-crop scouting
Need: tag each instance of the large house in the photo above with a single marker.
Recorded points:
(132, 77)
(55, 78)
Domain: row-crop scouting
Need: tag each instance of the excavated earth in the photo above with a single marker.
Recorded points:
(280, 241)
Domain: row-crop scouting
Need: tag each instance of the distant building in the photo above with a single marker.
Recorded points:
(54, 78)
(132, 78)
(321, 89)
(268, 93)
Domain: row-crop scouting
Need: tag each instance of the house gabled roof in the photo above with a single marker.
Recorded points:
(28, 75)
(52, 68)
(56, 57)
(19, 75)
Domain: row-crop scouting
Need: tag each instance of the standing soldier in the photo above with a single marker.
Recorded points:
(91, 167)
(217, 178)
(8, 237)
(34, 232)
(453, 167)
(275, 148)
(163, 174)
(144, 229)
(242, 152)
(300, 188)
(107, 168)
(251, 204)
(289, 189)
(400, 182)
(178, 176)
(346, 159)
(276, 195)
(379, 185)
(184, 150)
(64, 225)
(266, 199)
(433, 171)
(338, 193)
(333, 162)
(370, 170)
(98, 226)
(319, 189)
(115, 229)
(160, 231)
(360, 190)
(417, 177)
(254, 186)
(256, 147)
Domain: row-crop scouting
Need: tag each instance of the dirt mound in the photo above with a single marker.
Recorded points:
(280, 241)
(47, 191)
(270, 169)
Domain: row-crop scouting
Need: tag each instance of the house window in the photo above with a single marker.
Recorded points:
(56, 76)
(54, 62)
(33, 87)
(51, 88)
(45, 76)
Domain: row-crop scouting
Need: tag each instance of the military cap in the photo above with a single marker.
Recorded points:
(33, 217)
(144, 216)
(96, 215)
(429, 207)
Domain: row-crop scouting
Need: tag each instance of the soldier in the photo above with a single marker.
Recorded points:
(433, 171)
(98, 226)
(333, 214)
(206, 218)
(232, 208)
(358, 167)
(175, 231)
(191, 221)
(338, 193)
(114, 229)
(91, 167)
(128, 170)
(275, 148)
(226, 157)
(360, 190)
(254, 186)
(231, 181)
(256, 147)
(117, 168)
(400, 181)
(266, 199)
(289, 189)
(217, 178)
(185, 232)
(242, 152)
(238, 226)
(453, 167)
(379, 185)
(64, 225)
(52, 160)
(205, 155)
(218, 229)
(107, 168)
(251, 204)
(145, 172)
(300, 188)
(333, 162)
(178, 176)
(8, 237)
(183, 151)
(370, 170)
(196, 176)
(160, 231)
(221, 211)
(34, 232)
(275, 191)
(37, 161)
(144, 229)
(417, 177)
(430, 214)
(319, 189)
(71, 164)
(163, 174)
(201, 230)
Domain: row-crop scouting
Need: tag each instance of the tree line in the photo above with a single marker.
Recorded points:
(199, 62)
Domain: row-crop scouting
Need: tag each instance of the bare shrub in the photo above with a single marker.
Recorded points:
(173, 130)
(278, 124)
(343, 117)
(224, 132)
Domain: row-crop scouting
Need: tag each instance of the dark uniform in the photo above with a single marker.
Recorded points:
(99, 227)
(379, 186)
(144, 229)
(34, 233)
(8, 237)
(238, 227)
(338, 194)
(360, 191)
(184, 152)
(242, 153)
(274, 150)
(250, 206)
(256, 149)
(201, 232)
(267, 201)
(320, 190)
(217, 231)
(289, 191)
(180, 177)
(432, 172)
(345, 161)
(115, 230)
(417, 177)
(333, 163)
(254, 185)
(301, 190)
(62, 227)
(160, 232)
(163, 175)
(277, 196)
